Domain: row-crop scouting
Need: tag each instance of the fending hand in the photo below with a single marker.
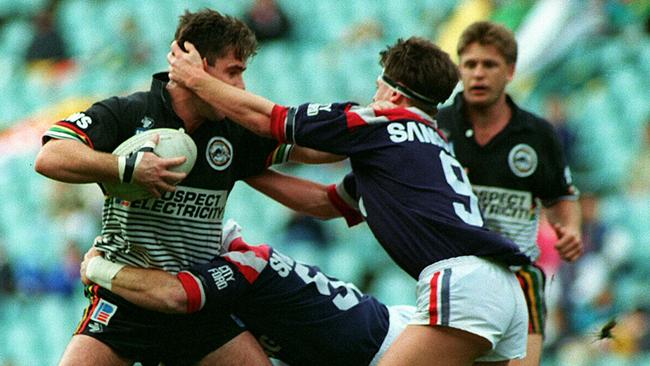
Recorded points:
(184, 66)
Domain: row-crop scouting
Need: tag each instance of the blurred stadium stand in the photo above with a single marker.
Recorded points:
(592, 54)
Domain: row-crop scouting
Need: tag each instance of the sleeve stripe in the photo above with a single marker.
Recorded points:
(250, 260)
(193, 290)
(278, 122)
(396, 114)
(65, 130)
(354, 120)
(345, 196)
(290, 128)
(350, 213)
(359, 116)
(280, 155)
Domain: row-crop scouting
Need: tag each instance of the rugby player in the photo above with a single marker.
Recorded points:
(181, 226)
(514, 161)
(298, 314)
(413, 194)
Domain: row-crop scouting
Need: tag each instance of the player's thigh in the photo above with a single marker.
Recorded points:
(243, 350)
(85, 350)
(435, 345)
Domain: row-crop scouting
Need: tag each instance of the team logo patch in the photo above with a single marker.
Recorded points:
(146, 123)
(221, 276)
(219, 153)
(104, 312)
(522, 160)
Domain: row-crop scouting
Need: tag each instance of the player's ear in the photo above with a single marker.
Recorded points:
(396, 97)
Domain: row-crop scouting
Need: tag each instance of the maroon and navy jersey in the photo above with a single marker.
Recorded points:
(299, 315)
(414, 195)
(182, 228)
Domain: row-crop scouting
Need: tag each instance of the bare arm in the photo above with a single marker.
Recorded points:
(73, 162)
(296, 193)
(152, 289)
(306, 155)
(251, 111)
(565, 218)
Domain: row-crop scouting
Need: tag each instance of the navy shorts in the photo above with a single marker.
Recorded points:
(151, 337)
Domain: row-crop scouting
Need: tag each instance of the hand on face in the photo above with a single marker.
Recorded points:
(184, 66)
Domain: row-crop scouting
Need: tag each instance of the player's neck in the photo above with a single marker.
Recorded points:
(488, 121)
(190, 109)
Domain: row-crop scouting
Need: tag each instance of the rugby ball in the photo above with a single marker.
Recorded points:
(172, 143)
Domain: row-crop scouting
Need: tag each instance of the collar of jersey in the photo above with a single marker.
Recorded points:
(159, 88)
(516, 121)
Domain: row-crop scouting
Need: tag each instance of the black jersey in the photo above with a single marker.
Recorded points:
(298, 314)
(181, 228)
(414, 195)
(521, 168)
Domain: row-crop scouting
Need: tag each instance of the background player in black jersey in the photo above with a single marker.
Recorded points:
(414, 196)
(514, 161)
(299, 314)
(154, 233)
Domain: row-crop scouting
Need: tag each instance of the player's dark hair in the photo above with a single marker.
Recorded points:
(214, 35)
(423, 67)
(490, 33)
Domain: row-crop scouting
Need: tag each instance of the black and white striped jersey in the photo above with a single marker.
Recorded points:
(182, 228)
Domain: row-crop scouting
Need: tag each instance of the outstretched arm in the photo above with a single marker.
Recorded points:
(251, 111)
(149, 288)
(298, 194)
(300, 154)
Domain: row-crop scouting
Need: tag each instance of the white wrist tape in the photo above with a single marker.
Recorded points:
(121, 165)
(126, 164)
(102, 271)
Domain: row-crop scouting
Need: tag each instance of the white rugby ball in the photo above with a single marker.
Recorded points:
(172, 143)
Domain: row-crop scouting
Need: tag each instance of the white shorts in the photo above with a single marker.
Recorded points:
(477, 296)
(398, 318)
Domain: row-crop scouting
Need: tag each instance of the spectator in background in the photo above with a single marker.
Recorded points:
(304, 228)
(47, 54)
(588, 299)
(639, 181)
(64, 277)
(47, 44)
(267, 20)
(556, 115)
(7, 284)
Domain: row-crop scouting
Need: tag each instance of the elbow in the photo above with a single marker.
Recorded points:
(174, 299)
(43, 165)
